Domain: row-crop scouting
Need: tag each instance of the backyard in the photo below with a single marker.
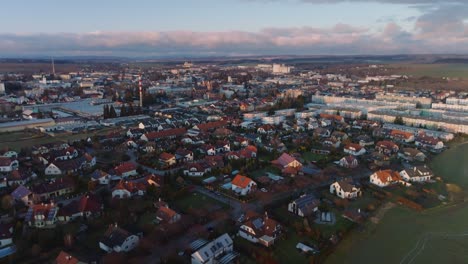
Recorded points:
(197, 201)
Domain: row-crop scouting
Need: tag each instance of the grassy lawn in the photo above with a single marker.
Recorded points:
(197, 201)
(21, 139)
(392, 240)
(309, 156)
(262, 172)
(285, 249)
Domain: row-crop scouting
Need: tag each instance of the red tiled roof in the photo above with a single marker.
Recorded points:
(241, 181)
(207, 126)
(65, 258)
(125, 167)
(166, 133)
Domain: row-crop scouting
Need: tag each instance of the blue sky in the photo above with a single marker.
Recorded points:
(232, 27)
(51, 16)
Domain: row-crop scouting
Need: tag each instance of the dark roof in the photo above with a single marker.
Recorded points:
(115, 236)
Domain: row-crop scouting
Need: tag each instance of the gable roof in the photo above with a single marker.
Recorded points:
(124, 167)
(241, 181)
(386, 176)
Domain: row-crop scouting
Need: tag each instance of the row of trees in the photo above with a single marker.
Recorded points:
(109, 111)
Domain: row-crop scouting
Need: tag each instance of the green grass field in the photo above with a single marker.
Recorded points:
(404, 236)
(434, 70)
(197, 201)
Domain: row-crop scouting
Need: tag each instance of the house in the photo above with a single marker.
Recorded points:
(354, 149)
(322, 132)
(117, 239)
(125, 170)
(305, 205)
(197, 169)
(20, 177)
(223, 146)
(54, 188)
(260, 229)
(386, 147)
(8, 164)
(348, 162)
(219, 250)
(166, 215)
(89, 205)
(208, 150)
(331, 142)
(266, 129)
(339, 136)
(429, 142)
(402, 136)
(167, 159)
(285, 161)
(64, 154)
(168, 133)
(66, 258)
(184, 155)
(100, 176)
(383, 178)
(417, 174)
(127, 189)
(42, 215)
(243, 185)
(23, 194)
(411, 154)
(52, 169)
(345, 189)
(365, 140)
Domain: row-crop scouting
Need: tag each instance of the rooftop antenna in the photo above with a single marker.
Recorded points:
(53, 66)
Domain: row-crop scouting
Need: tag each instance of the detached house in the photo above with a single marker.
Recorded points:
(286, 161)
(220, 250)
(8, 164)
(117, 239)
(386, 147)
(126, 189)
(345, 189)
(125, 170)
(88, 205)
(354, 149)
(165, 214)
(305, 205)
(384, 178)
(411, 154)
(260, 229)
(167, 159)
(41, 215)
(100, 176)
(348, 162)
(429, 142)
(54, 188)
(243, 185)
(183, 155)
(402, 136)
(417, 174)
(197, 169)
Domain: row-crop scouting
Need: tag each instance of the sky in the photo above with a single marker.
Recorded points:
(152, 28)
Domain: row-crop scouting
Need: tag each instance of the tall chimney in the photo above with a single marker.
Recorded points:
(141, 90)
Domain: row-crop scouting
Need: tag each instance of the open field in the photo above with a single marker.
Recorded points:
(18, 140)
(34, 67)
(405, 236)
(439, 70)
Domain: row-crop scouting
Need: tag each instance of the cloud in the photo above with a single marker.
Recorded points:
(339, 39)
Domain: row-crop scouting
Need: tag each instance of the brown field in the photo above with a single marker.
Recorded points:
(34, 67)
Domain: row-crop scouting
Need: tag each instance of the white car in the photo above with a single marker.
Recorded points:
(263, 190)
